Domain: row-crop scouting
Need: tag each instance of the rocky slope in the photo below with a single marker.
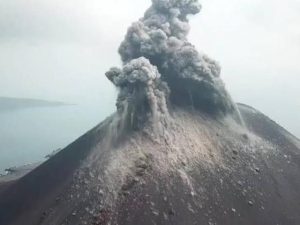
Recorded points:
(202, 171)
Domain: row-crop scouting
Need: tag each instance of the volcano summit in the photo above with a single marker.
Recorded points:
(177, 151)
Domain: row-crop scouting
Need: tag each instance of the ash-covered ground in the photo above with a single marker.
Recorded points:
(178, 150)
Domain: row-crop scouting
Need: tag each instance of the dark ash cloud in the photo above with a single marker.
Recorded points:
(156, 51)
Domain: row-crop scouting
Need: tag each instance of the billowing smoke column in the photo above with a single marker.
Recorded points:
(142, 93)
(162, 68)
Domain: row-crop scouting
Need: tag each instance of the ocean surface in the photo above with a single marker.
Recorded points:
(28, 135)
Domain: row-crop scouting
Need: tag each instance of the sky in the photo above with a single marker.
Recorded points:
(60, 50)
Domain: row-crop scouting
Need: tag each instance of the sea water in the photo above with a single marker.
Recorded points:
(28, 135)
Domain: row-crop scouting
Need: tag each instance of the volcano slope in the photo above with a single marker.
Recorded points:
(203, 172)
(177, 151)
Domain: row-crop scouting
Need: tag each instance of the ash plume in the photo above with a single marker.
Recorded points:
(141, 91)
(162, 68)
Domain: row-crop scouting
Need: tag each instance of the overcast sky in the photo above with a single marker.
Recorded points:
(60, 50)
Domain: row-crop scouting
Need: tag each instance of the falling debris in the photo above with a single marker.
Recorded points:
(257, 170)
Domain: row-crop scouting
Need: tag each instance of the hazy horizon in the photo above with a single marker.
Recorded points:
(59, 51)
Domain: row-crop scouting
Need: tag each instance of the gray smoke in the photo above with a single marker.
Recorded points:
(161, 67)
(142, 93)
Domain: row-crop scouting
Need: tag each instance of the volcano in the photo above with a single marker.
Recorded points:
(178, 150)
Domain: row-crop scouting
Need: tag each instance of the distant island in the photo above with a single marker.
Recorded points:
(10, 104)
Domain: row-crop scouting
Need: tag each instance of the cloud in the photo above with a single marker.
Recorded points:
(63, 21)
